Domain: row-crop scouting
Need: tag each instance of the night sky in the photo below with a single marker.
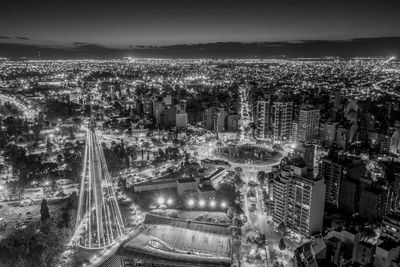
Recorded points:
(129, 24)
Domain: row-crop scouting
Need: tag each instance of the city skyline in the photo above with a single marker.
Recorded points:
(142, 29)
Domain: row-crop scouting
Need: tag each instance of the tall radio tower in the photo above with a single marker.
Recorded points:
(99, 222)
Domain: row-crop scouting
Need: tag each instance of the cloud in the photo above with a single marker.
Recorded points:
(22, 38)
(89, 46)
(79, 43)
(4, 37)
(85, 46)
(318, 48)
(143, 47)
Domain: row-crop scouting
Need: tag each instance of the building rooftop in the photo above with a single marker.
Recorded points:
(215, 161)
(366, 244)
(186, 180)
(388, 245)
(216, 173)
(187, 243)
(205, 188)
(156, 181)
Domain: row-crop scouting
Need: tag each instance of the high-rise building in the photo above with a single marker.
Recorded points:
(279, 191)
(232, 123)
(181, 120)
(342, 137)
(295, 128)
(214, 119)
(219, 119)
(263, 118)
(395, 141)
(384, 146)
(349, 196)
(328, 134)
(336, 100)
(308, 126)
(282, 121)
(376, 199)
(333, 169)
(168, 117)
(298, 200)
(158, 108)
(168, 100)
(331, 172)
(307, 152)
(208, 119)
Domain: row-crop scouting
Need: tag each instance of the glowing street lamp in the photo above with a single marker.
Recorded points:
(223, 205)
(160, 200)
(202, 203)
(212, 203)
(191, 202)
(169, 201)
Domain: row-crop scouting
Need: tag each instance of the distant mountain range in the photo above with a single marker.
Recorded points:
(364, 47)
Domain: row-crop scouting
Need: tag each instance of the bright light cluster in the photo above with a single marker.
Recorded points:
(202, 203)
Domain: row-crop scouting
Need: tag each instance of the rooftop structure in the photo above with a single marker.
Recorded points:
(164, 240)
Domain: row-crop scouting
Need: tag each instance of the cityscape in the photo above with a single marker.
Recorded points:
(170, 154)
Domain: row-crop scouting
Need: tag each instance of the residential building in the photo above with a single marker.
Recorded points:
(332, 170)
(308, 126)
(264, 118)
(181, 120)
(282, 121)
(298, 200)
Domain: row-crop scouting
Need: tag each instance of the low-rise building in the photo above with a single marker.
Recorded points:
(186, 186)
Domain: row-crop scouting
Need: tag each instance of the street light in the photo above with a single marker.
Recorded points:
(201, 203)
(223, 205)
(160, 200)
(191, 202)
(169, 201)
(212, 203)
